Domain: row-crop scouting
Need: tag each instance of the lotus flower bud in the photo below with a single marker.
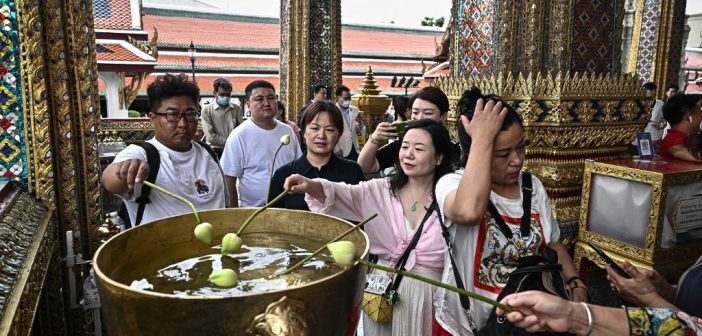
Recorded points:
(224, 278)
(204, 232)
(231, 243)
(285, 139)
(343, 252)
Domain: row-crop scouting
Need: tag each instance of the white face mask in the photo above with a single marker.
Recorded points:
(345, 103)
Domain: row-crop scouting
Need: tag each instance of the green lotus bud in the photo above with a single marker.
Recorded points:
(285, 139)
(343, 252)
(224, 278)
(204, 232)
(231, 243)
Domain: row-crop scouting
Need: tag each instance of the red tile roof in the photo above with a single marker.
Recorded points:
(182, 30)
(115, 52)
(112, 14)
(266, 35)
(172, 62)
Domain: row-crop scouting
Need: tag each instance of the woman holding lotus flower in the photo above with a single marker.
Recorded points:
(401, 202)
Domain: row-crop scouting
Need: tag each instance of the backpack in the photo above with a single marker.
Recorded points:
(535, 272)
(153, 158)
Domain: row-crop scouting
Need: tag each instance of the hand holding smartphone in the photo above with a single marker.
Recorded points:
(401, 127)
(609, 260)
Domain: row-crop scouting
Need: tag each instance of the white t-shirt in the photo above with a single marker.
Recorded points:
(194, 175)
(484, 256)
(248, 155)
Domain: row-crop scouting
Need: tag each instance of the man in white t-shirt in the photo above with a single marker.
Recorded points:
(186, 168)
(249, 150)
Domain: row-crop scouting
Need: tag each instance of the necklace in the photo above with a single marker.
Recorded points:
(413, 207)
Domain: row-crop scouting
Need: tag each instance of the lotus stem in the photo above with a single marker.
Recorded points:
(253, 215)
(476, 296)
(180, 198)
(270, 175)
(319, 250)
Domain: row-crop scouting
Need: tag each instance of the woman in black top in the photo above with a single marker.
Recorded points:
(321, 124)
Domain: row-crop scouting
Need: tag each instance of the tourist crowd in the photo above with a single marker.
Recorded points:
(461, 212)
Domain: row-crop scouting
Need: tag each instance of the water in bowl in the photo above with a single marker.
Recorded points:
(261, 256)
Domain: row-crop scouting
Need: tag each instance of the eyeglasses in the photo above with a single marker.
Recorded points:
(175, 116)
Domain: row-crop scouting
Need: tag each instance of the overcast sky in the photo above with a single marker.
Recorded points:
(405, 13)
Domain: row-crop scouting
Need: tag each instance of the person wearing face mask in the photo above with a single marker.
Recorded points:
(684, 115)
(220, 117)
(348, 143)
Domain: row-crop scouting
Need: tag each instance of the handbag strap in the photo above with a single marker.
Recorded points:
(415, 239)
(525, 225)
(465, 303)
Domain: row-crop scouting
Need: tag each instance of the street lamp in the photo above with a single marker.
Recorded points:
(192, 51)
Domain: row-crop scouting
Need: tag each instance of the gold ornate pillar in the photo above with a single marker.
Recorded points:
(60, 114)
(658, 32)
(310, 49)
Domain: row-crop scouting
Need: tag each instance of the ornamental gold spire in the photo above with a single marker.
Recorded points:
(368, 86)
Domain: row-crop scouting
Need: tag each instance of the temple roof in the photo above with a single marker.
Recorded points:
(262, 34)
(693, 68)
(122, 56)
(113, 14)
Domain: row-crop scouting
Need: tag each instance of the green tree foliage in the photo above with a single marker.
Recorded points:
(432, 22)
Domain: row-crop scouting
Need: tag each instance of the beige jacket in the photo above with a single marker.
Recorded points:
(217, 122)
(349, 137)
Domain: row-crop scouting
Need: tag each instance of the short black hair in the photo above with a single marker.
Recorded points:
(650, 86)
(170, 85)
(466, 107)
(433, 95)
(672, 86)
(316, 108)
(221, 83)
(341, 89)
(677, 106)
(316, 88)
(257, 84)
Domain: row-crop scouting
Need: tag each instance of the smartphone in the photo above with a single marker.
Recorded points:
(401, 126)
(609, 260)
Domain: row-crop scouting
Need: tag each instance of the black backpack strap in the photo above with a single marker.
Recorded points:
(526, 204)
(153, 158)
(525, 225)
(209, 150)
(415, 239)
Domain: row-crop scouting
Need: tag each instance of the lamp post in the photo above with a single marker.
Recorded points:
(192, 51)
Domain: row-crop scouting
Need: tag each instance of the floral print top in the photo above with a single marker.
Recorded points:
(662, 321)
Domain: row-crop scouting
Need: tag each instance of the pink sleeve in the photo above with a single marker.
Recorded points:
(352, 202)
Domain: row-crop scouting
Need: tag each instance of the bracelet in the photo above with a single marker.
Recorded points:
(571, 279)
(376, 142)
(590, 320)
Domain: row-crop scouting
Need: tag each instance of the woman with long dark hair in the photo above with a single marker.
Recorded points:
(402, 203)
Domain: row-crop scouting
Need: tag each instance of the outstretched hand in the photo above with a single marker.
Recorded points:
(296, 183)
(487, 120)
(132, 171)
(534, 311)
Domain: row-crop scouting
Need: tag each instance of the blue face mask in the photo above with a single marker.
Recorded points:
(223, 100)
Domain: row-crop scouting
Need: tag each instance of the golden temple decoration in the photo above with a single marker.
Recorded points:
(668, 261)
(285, 317)
(370, 101)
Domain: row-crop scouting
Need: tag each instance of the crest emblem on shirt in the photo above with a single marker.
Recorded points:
(201, 186)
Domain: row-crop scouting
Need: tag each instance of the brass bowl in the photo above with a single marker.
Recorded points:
(330, 306)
